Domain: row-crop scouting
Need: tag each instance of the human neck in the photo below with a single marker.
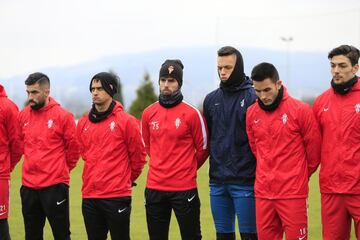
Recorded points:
(103, 107)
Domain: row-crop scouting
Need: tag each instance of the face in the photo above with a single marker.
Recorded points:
(99, 95)
(168, 85)
(37, 95)
(267, 90)
(226, 65)
(341, 69)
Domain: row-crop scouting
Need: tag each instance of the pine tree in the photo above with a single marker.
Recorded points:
(145, 96)
(118, 96)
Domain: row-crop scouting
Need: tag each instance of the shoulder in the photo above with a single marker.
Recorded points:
(212, 95)
(188, 107)
(252, 108)
(151, 109)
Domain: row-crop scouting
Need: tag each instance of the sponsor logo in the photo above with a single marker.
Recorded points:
(284, 118)
(217, 104)
(190, 199)
(58, 203)
(112, 126)
(2, 213)
(25, 124)
(121, 210)
(256, 121)
(177, 123)
(326, 109)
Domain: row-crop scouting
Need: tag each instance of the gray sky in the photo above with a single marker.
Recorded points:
(41, 33)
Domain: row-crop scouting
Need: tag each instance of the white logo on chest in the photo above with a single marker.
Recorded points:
(112, 126)
(155, 125)
(357, 107)
(50, 123)
(284, 118)
(242, 103)
(177, 123)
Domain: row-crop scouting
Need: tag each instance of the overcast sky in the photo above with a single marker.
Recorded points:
(40, 33)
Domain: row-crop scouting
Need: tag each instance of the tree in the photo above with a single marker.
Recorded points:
(118, 96)
(145, 96)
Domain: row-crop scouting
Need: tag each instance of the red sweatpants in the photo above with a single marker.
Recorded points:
(4, 198)
(337, 210)
(278, 216)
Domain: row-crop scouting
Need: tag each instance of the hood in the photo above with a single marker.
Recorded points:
(52, 103)
(237, 77)
(2, 91)
(118, 107)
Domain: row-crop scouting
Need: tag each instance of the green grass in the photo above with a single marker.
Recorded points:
(138, 220)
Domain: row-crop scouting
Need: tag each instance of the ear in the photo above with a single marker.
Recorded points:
(47, 91)
(278, 84)
(355, 68)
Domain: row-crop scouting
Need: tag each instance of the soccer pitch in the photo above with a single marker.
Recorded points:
(138, 218)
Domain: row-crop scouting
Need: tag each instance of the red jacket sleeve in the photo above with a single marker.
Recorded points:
(16, 145)
(72, 149)
(250, 133)
(145, 133)
(200, 137)
(135, 146)
(310, 132)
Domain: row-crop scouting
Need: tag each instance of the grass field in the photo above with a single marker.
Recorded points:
(138, 221)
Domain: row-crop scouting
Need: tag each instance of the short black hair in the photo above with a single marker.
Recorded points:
(39, 78)
(226, 51)
(351, 52)
(263, 71)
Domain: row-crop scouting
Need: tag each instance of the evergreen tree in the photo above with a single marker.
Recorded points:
(145, 96)
(118, 96)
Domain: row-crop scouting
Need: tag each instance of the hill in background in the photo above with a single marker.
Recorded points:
(306, 74)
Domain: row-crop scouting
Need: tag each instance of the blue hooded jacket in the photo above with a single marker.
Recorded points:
(231, 159)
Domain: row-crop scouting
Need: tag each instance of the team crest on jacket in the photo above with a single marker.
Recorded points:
(177, 123)
(284, 118)
(50, 123)
(357, 108)
(112, 126)
(242, 103)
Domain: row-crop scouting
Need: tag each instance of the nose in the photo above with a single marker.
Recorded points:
(222, 71)
(336, 69)
(30, 96)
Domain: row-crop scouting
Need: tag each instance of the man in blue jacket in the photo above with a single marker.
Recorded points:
(232, 164)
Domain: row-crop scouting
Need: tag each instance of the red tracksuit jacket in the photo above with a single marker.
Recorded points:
(50, 147)
(11, 147)
(176, 142)
(286, 143)
(339, 119)
(113, 153)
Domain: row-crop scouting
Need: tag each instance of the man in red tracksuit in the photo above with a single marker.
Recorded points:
(338, 113)
(114, 156)
(10, 154)
(175, 137)
(50, 153)
(285, 138)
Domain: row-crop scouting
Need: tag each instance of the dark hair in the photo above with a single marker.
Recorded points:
(39, 78)
(351, 52)
(264, 70)
(226, 51)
